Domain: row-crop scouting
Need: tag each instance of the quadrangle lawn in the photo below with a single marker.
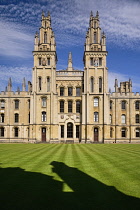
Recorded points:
(65, 176)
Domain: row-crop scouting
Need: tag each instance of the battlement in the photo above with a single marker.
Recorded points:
(16, 94)
(125, 95)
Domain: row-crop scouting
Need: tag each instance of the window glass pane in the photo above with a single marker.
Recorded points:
(137, 132)
(91, 61)
(100, 85)
(2, 132)
(16, 132)
(123, 118)
(61, 91)
(78, 91)
(92, 84)
(69, 130)
(48, 84)
(137, 105)
(16, 104)
(39, 80)
(95, 116)
(96, 101)
(70, 89)
(2, 104)
(2, 118)
(43, 116)
(62, 131)
(77, 131)
(123, 105)
(100, 61)
(16, 118)
(123, 132)
(110, 104)
(43, 102)
(69, 106)
(137, 118)
(62, 106)
(78, 106)
(48, 59)
(39, 61)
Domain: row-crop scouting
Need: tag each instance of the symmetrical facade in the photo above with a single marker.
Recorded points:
(71, 106)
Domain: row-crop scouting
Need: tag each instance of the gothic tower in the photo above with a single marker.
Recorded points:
(43, 116)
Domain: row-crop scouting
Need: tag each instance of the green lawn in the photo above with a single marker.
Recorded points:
(65, 176)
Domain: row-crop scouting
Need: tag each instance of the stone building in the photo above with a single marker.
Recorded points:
(70, 105)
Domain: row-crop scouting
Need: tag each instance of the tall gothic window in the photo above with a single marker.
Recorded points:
(94, 38)
(43, 116)
(77, 131)
(137, 105)
(78, 91)
(1, 132)
(100, 85)
(70, 91)
(2, 118)
(123, 131)
(16, 132)
(16, 118)
(78, 106)
(137, 132)
(45, 37)
(96, 102)
(96, 116)
(43, 102)
(69, 130)
(123, 105)
(137, 118)
(2, 104)
(123, 118)
(62, 131)
(61, 91)
(62, 106)
(39, 83)
(16, 104)
(69, 106)
(92, 84)
(48, 84)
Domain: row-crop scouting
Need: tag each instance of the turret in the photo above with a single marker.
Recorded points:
(10, 84)
(70, 62)
(24, 85)
(116, 85)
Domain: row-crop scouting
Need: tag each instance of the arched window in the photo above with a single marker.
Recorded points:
(137, 132)
(39, 83)
(111, 132)
(1, 132)
(16, 118)
(69, 130)
(100, 85)
(92, 84)
(69, 106)
(137, 118)
(123, 104)
(2, 104)
(78, 106)
(16, 104)
(111, 105)
(96, 102)
(96, 116)
(62, 106)
(2, 118)
(123, 117)
(123, 131)
(16, 132)
(45, 37)
(110, 118)
(137, 105)
(43, 116)
(43, 102)
(48, 84)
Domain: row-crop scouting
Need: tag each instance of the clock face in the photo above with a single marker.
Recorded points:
(44, 62)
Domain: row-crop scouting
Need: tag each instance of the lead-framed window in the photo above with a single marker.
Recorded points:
(44, 102)
(96, 116)
(62, 131)
(61, 91)
(96, 102)
(1, 131)
(70, 91)
(16, 132)
(2, 104)
(62, 106)
(43, 116)
(78, 106)
(70, 106)
(78, 91)
(77, 131)
(2, 118)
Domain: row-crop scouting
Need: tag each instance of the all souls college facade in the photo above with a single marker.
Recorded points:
(70, 105)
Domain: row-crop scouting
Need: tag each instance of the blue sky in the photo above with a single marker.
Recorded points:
(120, 20)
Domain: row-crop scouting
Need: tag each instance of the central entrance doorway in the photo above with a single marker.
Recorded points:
(96, 135)
(43, 134)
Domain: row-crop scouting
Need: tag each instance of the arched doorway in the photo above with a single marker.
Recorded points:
(43, 131)
(96, 134)
(69, 130)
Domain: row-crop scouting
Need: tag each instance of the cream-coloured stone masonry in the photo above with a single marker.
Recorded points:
(71, 106)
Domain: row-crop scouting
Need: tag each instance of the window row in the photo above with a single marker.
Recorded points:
(16, 118)
(92, 82)
(40, 83)
(16, 104)
(123, 118)
(69, 131)
(16, 132)
(70, 106)
(124, 132)
(123, 105)
(70, 91)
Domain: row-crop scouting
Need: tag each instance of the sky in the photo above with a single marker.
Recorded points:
(119, 19)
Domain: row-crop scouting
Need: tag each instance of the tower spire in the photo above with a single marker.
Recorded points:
(70, 62)
(10, 84)
(24, 84)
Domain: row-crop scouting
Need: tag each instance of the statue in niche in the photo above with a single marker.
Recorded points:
(44, 62)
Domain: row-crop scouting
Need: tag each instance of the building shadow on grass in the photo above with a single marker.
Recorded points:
(20, 189)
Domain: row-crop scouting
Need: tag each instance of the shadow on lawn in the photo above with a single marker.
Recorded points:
(20, 189)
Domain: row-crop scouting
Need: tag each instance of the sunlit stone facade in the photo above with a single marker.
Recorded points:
(71, 106)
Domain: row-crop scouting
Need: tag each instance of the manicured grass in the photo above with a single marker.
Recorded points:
(64, 176)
